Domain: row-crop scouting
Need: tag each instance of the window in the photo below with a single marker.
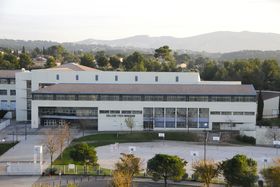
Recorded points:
(57, 77)
(203, 117)
(175, 98)
(4, 105)
(3, 92)
(159, 117)
(221, 98)
(215, 113)
(249, 113)
(12, 92)
(226, 113)
(77, 77)
(116, 77)
(153, 98)
(136, 78)
(170, 118)
(96, 77)
(177, 79)
(192, 117)
(109, 97)
(198, 98)
(12, 81)
(181, 117)
(156, 78)
(13, 104)
(3, 81)
(237, 113)
(65, 97)
(131, 98)
(87, 97)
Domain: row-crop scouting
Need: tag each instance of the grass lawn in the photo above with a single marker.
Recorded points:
(101, 139)
(5, 147)
(270, 122)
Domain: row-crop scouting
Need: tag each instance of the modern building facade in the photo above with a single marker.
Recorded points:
(8, 90)
(103, 100)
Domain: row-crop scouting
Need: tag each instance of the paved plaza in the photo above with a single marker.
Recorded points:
(108, 155)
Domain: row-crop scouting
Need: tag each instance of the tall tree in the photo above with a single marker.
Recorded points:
(50, 62)
(260, 106)
(101, 59)
(272, 174)
(240, 171)
(83, 154)
(166, 167)
(206, 171)
(25, 61)
(126, 169)
(164, 53)
(115, 62)
(133, 59)
(88, 60)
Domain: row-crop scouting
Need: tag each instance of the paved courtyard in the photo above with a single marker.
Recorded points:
(108, 155)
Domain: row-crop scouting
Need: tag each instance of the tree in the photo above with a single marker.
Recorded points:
(272, 174)
(131, 60)
(24, 60)
(50, 62)
(63, 136)
(56, 51)
(206, 171)
(209, 71)
(51, 143)
(115, 62)
(23, 49)
(130, 123)
(126, 169)
(240, 170)
(83, 154)
(164, 53)
(101, 59)
(166, 167)
(260, 107)
(88, 60)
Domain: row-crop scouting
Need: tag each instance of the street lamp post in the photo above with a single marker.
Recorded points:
(205, 142)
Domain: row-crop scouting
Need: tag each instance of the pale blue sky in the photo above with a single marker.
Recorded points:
(69, 20)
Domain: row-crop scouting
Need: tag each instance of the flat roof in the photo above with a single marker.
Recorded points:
(72, 67)
(159, 89)
(8, 73)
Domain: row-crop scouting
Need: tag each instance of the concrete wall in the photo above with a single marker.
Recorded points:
(265, 135)
(21, 168)
(4, 123)
(271, 107)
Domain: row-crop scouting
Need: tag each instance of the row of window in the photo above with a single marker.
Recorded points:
(176, 117)
(5, 105)
(69, 111)
(7, 81)
(117, 78)
(104, 97)
(5, 92)
(232, 113)
(120, 112)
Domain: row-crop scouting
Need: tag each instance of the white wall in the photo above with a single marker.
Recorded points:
(271, 107)
(114, 123)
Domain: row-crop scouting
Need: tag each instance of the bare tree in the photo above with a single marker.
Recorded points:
(51, 143)
(130, 123)
(63, 136)
(273, 133)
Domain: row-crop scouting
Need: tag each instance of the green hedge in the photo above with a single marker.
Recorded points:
(246, 139)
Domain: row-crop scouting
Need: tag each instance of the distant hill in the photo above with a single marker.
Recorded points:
(216, 42)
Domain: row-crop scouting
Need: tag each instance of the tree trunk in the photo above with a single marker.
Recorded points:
(51, 160)
(165, 181)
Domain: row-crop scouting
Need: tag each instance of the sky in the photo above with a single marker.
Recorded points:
(75, 20)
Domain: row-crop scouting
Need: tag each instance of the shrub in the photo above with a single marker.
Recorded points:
(51, 171)
(246, 139)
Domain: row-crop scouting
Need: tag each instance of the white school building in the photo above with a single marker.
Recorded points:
(102, 100)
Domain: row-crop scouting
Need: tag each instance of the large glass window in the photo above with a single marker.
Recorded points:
(192, 117)
(181, 117)
(221, 98)
(203, 117)
(159, 117)
(170, 118)
(148, 114)
(4, 81)
(198, 98)
(12, 92)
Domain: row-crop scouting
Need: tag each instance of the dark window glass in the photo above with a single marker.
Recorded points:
(57, 77)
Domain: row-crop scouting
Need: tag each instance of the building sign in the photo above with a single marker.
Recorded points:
(161, 135)
(276, 142)
(216, 138)
(119, 115)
